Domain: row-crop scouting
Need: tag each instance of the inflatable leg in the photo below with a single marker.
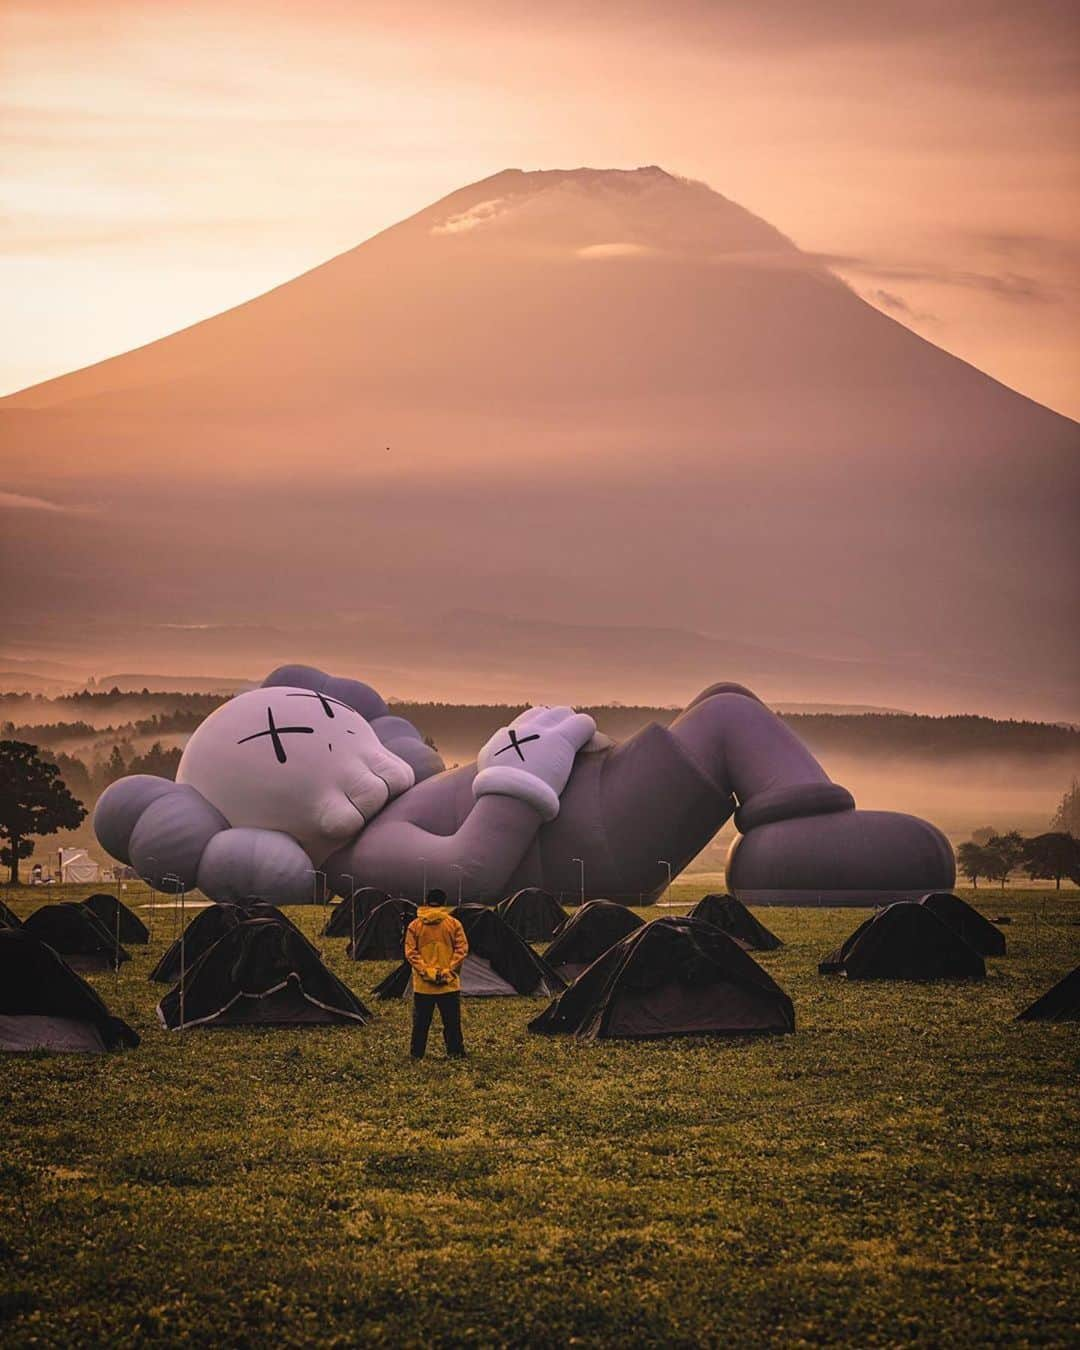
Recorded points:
(750, 753)
(802, 840)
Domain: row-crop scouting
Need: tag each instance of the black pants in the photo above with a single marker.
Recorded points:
(423, 1008)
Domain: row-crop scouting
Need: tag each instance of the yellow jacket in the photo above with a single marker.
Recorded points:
(435, 947)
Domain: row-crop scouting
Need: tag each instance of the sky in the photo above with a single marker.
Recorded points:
(164, 162)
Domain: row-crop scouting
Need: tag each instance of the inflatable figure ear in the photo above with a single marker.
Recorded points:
(400, 736)
(354, 694)
(397, 733)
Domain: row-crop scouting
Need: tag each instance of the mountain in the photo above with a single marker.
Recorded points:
(584, 399)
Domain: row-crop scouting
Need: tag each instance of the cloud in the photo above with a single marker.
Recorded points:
(15, 501)
(616, 250)
(483, 213)
(1013, 286)
(896, 304)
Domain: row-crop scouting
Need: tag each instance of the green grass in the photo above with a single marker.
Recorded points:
(902, 1168)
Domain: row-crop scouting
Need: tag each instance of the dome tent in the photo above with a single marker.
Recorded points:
(533, 914)
(76, 935)
(351, 913)
(670, 977)
(1060, 1003)
(904, 941)
(111, 912)
(499, 963)
(732, 916)
(587, 934)
(8, 918)
(260, 973)
(44, 1005)
(966, 921)
(381, 937)
(207, 927)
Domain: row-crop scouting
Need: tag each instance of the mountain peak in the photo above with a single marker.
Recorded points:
(646, 210)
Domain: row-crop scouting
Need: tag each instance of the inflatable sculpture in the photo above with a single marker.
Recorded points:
(310, 776)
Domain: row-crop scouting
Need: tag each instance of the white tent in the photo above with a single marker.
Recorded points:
(77, 867)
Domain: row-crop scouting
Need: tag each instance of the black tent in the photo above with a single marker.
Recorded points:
(381, 937)
(1061, 1003)
(904, 941)
(587, 934)
(732, 916)
(499, 963)
(81, 939)
(44, 1005)
(966, 922)
(109, 909)
(260, 973)
(8, 918)
(206, 928)
(670, 977)
(351, 913)
(533, 914)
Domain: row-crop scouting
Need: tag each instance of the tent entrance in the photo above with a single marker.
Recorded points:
(479, 980)
(64, 1035)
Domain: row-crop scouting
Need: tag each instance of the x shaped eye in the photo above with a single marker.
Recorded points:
(275, 733)
(516, 744)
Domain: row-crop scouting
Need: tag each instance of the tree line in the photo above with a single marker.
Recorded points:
(1053, 856)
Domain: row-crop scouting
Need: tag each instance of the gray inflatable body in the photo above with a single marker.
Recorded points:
(560, 798)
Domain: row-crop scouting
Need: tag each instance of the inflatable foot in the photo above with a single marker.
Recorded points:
(844, 858)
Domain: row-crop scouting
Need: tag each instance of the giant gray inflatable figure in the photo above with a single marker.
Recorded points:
(311, 774)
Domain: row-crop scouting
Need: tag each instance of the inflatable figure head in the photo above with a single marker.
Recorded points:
(293, 760)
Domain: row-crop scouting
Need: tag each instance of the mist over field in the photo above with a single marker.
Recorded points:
(963, 773)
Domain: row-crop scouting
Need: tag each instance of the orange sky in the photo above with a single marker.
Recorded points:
(162, 162)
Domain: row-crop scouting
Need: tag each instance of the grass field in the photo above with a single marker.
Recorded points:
(902, 1169)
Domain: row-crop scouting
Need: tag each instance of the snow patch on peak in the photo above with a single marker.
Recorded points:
(480, 214)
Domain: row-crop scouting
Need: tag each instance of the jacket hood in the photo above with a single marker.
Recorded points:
(431, 914)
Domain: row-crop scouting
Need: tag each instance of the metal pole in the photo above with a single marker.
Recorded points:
(352, 904)
(460, 877)
(315, 875)
(663, 862)
(423, 884)
(150, 858)
(116, 951)
(581, 863)
(183, 949)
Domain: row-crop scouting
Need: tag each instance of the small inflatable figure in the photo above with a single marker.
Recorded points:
(311, 773)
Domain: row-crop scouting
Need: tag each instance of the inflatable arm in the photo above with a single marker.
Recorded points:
(403, 857)
(521, 773)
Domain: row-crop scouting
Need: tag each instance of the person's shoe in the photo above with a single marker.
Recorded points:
(457, 1054)
(416, 1057)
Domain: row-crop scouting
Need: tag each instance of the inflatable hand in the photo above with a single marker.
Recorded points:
(295, 761)
(531, 759)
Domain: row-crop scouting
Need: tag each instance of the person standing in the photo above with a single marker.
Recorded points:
(436, 947)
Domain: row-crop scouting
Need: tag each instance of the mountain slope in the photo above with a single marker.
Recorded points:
(569, 396)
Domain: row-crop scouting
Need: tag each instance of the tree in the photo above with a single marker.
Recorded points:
(972, 862)
(1067, 816)
(34, 800)
(1002, 855)
(114, 767)
(157, 761)
(1049, 857)
(982, 837)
